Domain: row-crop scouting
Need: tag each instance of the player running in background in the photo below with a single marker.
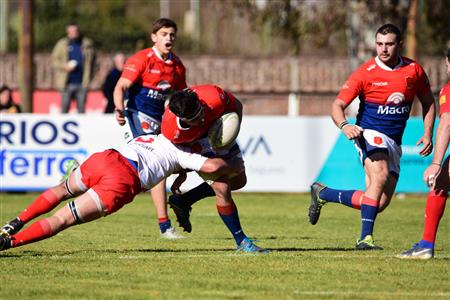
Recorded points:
(186, 121)
(437, 177)
(147, 79)
(104, 183)
(386, 86)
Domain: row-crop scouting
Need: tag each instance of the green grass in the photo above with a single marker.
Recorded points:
(122, 256)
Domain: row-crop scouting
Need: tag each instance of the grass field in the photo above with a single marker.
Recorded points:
(122, 256)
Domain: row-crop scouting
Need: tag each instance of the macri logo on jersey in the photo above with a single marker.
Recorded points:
(392, 105)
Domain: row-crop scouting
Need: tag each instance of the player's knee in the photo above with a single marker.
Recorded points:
(239, 182)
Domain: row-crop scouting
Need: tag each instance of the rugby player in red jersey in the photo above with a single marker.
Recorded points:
(186, 121)
(147, 79)
(437, 177)
(104, 183)
(386, 87)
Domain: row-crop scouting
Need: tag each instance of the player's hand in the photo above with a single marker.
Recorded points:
(430, 175)
(175, 188)
(120, 116)
(352, 131)
(427, 146)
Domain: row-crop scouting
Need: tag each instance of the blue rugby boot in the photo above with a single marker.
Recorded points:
(417, 252)
(249, 247)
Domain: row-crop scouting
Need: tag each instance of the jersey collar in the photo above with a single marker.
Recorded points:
(387, 68)
(158, 54)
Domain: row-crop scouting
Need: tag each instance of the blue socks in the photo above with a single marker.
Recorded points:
(164, 224)
(426, 244)
(369, 211)
(230, 217)
(338, 196)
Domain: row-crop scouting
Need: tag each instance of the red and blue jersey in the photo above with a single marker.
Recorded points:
(386, 94)
(153, 78)
(215, 102)
(444, 99)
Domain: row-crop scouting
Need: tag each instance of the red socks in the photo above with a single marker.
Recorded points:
(37, 231)
(46, 201)
(434, 210)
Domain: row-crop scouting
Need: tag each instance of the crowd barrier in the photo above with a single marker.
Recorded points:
(282, 154)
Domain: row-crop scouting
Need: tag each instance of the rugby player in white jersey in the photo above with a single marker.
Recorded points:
(104, 183)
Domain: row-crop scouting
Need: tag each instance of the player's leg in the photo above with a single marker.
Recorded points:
(45, 202)
(158, 193)
(434, 210)
(388, 192)
(228, 212)
(84, 209)
(182, 203)
(377, 169)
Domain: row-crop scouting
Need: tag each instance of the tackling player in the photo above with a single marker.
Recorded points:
(386, 86)
(186, 121)
(148, 77)
(437, 177)
(104, 183)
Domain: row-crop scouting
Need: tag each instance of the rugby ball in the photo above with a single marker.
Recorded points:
(224, 130)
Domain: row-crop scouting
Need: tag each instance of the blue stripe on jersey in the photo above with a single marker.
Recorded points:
(387, 119)
(148, 101)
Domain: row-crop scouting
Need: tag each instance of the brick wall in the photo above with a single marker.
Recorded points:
(263, 84)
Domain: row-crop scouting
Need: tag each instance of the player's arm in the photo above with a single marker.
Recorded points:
(337, 114)
(222, 167)
(429, 116)
(119, 91)
(442, 140)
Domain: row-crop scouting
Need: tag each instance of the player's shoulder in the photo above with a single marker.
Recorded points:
(142, 55)
(411, 63)
(176, 59)
(207, 89)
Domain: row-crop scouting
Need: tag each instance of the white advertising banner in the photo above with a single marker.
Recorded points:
(282, 154)
(34, 148)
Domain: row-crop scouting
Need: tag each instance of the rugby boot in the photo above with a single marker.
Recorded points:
(316, 202)
(417, 252)
(5, 242)
(248, 246)
(12, 227)
(171, 234)
(181, 211)
(367, 243)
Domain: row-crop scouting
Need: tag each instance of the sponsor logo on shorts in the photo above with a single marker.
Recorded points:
(378, 140)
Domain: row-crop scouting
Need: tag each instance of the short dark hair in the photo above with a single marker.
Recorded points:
(390, 28)
(164, 22)
(184, 103)
(448, 54)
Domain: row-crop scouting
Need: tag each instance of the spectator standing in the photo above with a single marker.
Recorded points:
(73, 60)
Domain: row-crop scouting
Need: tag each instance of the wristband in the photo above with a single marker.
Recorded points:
(120, 111)
(342, 124)
(435, 163)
